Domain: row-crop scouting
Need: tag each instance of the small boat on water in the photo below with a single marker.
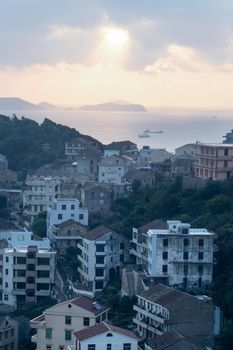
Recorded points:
(146, 133)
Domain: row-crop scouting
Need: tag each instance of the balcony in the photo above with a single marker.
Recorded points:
(38, 322)
(43, 293)
(19, 279)
(148, 313)
(43, 267)
(100, 265)
(149, 326)
(34, 339)
(19, 291)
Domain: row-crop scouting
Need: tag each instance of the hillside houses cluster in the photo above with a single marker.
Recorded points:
(167, 265)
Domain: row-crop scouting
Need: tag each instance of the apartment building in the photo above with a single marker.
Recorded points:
(63, 209)
(188, 148)
(161, 309)
(103, 251)
(121, 147)
(55, 327)
(177, 255)
(75, 147)
(105, 336)
(214, 161)
(40, 194)
(148, 155)
(113, 168)
(28, 270)
(8, 333)
(96, 197)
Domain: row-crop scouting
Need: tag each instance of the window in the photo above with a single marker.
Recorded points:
(100, 247)
(48, 333)
(59, 216)
(200, 282)
(6, 271)
(100, 260)
(91, 347)
(126, 346)
(63, 207)
(68, 320)
(43, 261)
(81, 216)
(201, 242)
(200, 256)
(6, 297)
(72, 206)
(165, 242)
(99, 272)
(164, 268)
(186, 242)
(68, 335)
(226, 152)
(98, 319)
(48, 347)
(99, 285)
(122, 245)
(7, 259)
(109, 346)
(200, 269)
(225, 163)
(185, 255)
(165, 255)
(6, 284)
(186, 269)
(86, 321)
(30, 279)
(185, 282)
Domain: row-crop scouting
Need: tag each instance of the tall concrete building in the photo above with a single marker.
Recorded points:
(28, 270)
(175, 254)
(214, 161)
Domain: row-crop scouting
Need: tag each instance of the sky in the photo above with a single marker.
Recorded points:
(160, 53)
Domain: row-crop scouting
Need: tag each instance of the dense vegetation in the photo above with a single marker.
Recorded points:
(211, 208)
(28, 145)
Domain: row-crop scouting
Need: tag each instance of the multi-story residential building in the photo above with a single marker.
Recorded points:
(28, 269)
(87, 161)
(188, 148)
(75, 147)
(121, 147)
(148, 155)
(102, 253)
(145, 176)
(40, 194)
(161, 309)
(228, 137)
(96, 197)
(55, 327)
(63, 209)
(182, 164)
(113, 168)
(173, 340)
(105, 336)
(67, 234)
(178, 255)
(214, 161)
(8, 333)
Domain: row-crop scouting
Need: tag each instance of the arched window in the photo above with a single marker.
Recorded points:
(109, 335)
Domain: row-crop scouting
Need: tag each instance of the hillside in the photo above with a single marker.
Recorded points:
(22, 140)
(17, 104)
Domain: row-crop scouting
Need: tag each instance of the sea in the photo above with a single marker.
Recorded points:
(178, 126)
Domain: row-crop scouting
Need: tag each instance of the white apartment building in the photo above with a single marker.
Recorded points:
(55, 327)
(178, 255)
(105, 336)
(113, 168)
(148, 155)
(64, 209)
(103, 251)
(8, 333)
(40, 194)
(28, 270)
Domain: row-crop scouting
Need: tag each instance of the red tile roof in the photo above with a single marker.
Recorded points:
(97, 232)
(100, 329)
(168, 339)
(89, 304)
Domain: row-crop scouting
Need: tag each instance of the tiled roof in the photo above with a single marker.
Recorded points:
(165, 340)
(97, 232)
(89, 304)
(93, 185)
(68, 223)
(100, 329)
(166, 296)
(119, 144)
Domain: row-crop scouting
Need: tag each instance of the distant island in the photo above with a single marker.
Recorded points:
(16, 104)
(117, 106)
